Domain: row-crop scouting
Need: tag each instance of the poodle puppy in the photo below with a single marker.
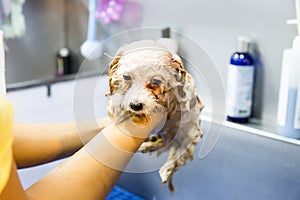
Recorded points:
(146, 77)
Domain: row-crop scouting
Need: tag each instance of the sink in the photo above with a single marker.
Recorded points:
(242, 165)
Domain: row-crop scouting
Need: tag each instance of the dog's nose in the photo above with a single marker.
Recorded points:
(136, 106)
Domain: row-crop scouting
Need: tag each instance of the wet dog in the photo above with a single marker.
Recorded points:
(146, 77)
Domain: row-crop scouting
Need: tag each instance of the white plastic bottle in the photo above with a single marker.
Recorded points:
(288, 116)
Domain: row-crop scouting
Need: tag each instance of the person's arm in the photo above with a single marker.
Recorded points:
(13, 188)
(84, 175)
(35, 144)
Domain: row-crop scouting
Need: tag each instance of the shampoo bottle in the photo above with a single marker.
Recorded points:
(288, 116)
(240, 79)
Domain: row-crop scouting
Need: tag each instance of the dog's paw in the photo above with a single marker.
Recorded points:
(152, 143)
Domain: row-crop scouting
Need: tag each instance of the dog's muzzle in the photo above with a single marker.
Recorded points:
(139, 104)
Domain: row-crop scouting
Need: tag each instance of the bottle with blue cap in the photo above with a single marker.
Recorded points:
(240, 80)
(288, 116)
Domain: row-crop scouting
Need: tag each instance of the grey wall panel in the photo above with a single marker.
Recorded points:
(34, 55)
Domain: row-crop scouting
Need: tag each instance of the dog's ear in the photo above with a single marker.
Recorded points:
(187, 83)
(177, 64)
(113, 67)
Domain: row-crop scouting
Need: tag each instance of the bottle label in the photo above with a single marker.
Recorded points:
(283, 98)
(297, 111)
(239, 90)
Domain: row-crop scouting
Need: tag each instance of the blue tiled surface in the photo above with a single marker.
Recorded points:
(119, 193)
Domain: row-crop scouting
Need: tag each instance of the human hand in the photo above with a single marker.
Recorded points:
(154, 123)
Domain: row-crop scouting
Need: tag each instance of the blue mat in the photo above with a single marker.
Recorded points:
(119, 193)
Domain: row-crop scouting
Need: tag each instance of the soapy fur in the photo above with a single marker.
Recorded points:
(146, 72)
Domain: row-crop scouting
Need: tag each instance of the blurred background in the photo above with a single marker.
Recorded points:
(250, 161)
(215, 25)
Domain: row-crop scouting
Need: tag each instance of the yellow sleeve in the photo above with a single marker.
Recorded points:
(6, 122)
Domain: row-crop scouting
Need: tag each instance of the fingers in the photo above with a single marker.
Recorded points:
(141, 129)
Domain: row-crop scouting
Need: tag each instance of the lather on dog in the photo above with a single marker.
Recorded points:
(146, 77)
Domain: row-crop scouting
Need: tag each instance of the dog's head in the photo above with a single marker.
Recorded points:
(144, 80)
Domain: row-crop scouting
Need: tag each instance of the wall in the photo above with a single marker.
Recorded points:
(216, 24)
(213, 24)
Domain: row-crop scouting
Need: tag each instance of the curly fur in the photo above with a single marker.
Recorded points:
(146, 72)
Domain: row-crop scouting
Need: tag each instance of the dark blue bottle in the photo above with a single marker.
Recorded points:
(240, 80)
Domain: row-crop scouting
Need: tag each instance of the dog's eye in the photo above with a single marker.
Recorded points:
(156, 81)
(126, 77)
